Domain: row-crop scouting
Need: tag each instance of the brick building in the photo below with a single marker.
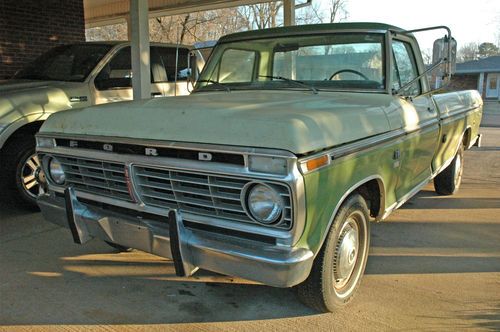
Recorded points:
(30, 27)
(482, 75)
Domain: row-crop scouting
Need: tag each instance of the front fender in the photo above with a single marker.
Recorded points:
(11, 128)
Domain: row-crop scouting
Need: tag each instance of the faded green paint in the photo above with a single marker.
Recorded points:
(297, 121)
(454, 103)
(326, 187)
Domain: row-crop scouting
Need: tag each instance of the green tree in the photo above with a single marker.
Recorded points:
(488, 49)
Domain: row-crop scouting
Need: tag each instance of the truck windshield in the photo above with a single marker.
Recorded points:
(347, 61)
(71, 63)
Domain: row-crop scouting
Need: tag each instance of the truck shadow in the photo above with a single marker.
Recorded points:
(43, 269)
(428, 200)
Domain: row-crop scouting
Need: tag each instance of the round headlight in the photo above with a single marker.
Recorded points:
(264, 204)
(56, 171)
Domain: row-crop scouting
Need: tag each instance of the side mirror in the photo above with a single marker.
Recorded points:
(445, 52)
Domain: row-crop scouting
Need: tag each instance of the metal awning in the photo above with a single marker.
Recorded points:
(137, 13)
(105, 12)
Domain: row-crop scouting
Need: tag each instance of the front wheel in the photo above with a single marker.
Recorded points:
(338, 267)
(448, 181)
(23, 172)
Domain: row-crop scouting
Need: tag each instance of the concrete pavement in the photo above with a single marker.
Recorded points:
(434, 265)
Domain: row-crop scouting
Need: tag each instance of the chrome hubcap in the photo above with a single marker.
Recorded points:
(31, 176)
(346, 253)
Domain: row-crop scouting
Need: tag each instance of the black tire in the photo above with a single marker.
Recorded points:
(331, 284)
(20, 162)
(448, 181)
(118, 247)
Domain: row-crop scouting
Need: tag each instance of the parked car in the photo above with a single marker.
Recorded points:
(293, 141)
(71, 77)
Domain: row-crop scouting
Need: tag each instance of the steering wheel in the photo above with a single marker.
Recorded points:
(349, 71)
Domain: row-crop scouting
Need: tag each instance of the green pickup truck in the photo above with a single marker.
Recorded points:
(293, 141)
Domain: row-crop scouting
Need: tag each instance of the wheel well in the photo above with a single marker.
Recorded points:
(371, 191)
(28, 129)
(467, 138)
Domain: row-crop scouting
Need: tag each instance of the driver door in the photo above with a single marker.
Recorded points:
(419, 119)
(114, 81)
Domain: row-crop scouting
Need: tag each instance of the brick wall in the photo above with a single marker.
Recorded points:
(31, 27)
(464, 82)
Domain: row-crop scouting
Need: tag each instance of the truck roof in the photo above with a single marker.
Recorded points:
(124, 42)
(308, 29)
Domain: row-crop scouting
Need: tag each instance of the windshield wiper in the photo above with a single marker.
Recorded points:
(297, 83)
(225, 87)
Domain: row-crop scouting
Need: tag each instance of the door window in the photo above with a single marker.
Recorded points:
(165, 59)
(117, 74)
(405, 68)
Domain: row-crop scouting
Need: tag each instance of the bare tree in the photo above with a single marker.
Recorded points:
(468, 52)
(211, 25)
(108, 32)
(261, 16)
(336, 11)
(427, 56)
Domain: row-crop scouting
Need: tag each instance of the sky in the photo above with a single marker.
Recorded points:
(470, 21)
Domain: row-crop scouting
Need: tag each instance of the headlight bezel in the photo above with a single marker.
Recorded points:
(268, 164)
(250, 211)
(58, 179)
(45, 142)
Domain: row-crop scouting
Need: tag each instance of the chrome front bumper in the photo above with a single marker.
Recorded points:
(190, 248)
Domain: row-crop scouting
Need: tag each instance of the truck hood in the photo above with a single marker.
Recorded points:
(36, 99)
(297, 121)
(16, 86)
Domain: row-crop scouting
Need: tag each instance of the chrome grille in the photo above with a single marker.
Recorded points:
(96, 177)
(208, 195)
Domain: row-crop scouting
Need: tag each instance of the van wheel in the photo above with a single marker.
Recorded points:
(338, 267)
(22, 172)
(448, 181)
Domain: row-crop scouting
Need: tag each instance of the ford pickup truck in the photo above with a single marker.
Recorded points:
(70, 77)
(294, 140)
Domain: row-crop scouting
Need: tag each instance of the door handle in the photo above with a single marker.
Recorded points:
(156, 94)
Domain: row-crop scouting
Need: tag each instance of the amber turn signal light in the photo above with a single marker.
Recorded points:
(317, 162)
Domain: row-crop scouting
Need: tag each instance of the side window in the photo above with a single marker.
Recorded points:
(117, 73)
(405, 68)
(165, 60)
(237, 66)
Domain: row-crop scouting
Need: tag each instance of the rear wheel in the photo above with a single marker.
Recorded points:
(337, 270)
(448, 181)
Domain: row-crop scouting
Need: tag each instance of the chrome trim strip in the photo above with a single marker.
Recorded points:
(451, 116)
(173, 145)
(370, 143)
